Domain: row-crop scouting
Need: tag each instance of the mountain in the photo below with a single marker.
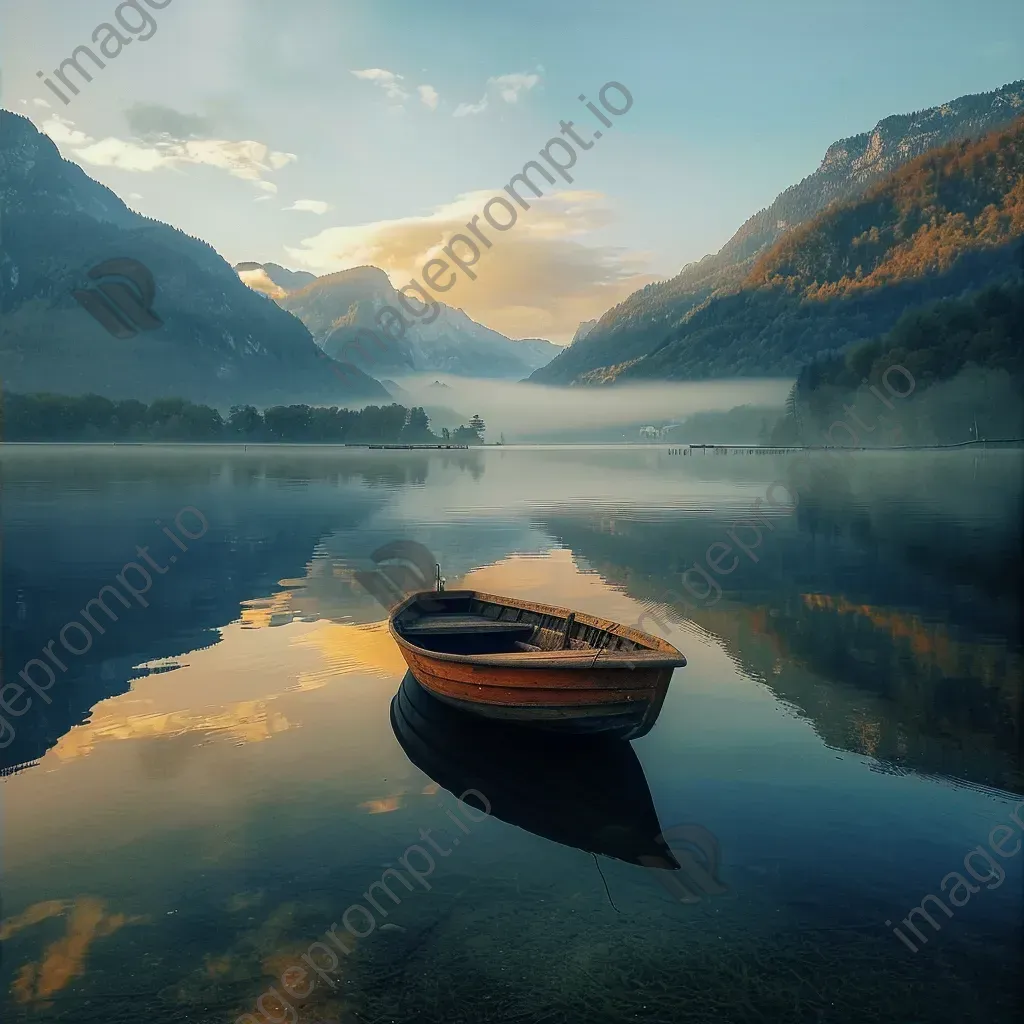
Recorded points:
(944, 225)
(583, 330)
(212, 340)
(540, 350)
(338, 306)
(396, 391)
(640, 323)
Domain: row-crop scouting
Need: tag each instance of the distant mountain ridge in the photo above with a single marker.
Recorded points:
(641, 322)
(336, 307)
(218, 342)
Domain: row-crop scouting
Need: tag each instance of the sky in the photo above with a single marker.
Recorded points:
(326, 134)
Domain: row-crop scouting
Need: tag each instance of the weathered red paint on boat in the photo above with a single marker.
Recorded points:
(589, 690)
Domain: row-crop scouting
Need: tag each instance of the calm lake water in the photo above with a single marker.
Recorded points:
(220, 776)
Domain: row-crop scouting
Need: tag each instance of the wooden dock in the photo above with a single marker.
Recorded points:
(412, 447)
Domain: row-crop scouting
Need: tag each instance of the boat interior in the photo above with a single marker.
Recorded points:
(465, 623)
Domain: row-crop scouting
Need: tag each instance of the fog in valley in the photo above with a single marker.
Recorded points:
(531, 413)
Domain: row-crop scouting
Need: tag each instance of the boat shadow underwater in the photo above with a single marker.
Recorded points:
(587, 792)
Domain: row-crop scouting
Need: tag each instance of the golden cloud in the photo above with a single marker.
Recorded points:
(540, 278)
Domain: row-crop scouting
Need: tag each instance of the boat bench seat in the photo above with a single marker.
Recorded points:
(448, 624)
(574, 645)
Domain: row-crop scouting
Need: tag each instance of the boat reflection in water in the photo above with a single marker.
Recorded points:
(588, 792)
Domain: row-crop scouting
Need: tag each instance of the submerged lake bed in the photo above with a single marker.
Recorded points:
(224, 770)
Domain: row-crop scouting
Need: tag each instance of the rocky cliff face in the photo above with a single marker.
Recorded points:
(583, 330)
(850, 166)
(212, 339)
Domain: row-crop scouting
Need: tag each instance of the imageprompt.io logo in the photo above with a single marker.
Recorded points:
(405, 566)
(122, 300)
(696, 851)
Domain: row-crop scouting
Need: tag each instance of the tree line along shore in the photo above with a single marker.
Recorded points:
(62, 418)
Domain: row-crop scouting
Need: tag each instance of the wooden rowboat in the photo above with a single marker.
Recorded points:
(534, 664)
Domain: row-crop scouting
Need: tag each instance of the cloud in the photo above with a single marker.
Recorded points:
(41, 103)
(465, 109)
(389, 82)
(260, 281)
(428, 96)
(247, 159)
(309, 206)
(386, 80)
(125, 155)
(64, 133)
(505, 87)
(542, 278)
(510, 86)
(151, 120)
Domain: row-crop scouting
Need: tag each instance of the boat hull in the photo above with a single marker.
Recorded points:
(611, 701)
(582, 692)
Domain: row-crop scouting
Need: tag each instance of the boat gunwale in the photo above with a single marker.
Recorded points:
(657, 653)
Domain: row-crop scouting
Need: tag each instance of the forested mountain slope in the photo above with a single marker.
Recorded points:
(640, 323)
(965, 360)
(941, 227)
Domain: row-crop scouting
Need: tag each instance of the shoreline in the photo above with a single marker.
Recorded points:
(997, 443)
(786, 449)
